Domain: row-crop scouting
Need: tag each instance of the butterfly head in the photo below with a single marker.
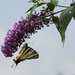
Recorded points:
(16, 60)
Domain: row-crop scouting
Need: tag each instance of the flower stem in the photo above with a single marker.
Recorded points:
(58, 12)
(63, 6)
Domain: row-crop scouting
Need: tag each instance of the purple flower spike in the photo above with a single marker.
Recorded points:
(22, 30)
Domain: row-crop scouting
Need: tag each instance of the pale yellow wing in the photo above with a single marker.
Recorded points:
(28, 53)
(23, 48)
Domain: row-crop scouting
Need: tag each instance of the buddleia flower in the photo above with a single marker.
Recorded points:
(22, 30)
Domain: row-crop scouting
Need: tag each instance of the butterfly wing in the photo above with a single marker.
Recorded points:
(28, 53)
(23, 48)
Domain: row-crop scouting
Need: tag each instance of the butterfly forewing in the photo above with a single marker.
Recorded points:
(23, 48)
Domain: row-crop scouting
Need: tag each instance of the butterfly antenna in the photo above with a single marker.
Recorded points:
(15, 67)
(12, 65)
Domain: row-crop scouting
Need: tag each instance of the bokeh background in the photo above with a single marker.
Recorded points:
(54, 58)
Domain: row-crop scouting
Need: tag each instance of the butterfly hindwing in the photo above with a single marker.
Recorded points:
(33, 54)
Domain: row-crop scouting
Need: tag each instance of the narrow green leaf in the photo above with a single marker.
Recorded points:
(30, 8)
(64, 19)
(33, 9)
(42, 3)
(35, 6)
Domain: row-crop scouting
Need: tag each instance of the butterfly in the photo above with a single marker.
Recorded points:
(25, 53)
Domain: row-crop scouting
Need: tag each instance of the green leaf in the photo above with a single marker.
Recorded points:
(55, 2)
(73, 4)
(64, 19)
(55, 20)
(74, 15)
(51, 6)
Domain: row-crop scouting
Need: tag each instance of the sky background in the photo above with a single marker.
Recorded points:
(54, 58)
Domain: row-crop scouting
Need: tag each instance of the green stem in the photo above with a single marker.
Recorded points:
(63, 6)
(41, 2)
(58, 12)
